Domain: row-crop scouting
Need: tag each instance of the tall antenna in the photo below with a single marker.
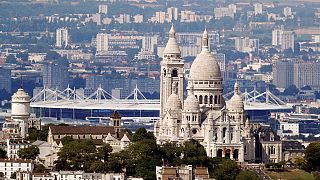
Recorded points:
(21, 81)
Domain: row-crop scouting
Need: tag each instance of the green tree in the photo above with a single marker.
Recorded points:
(29, 153)
(312, 156)
(247, 175)
(144, 156)
(39, 168)
(11, 59)
(172, 154)
(227, 170)
(104, 152)
(194, 153)
(76, 155)
(291, 90)
(98, 167)
(3, 153)
(142, 134)
(66, 140)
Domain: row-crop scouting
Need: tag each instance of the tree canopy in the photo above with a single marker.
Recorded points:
(312, 156)
(29, 153)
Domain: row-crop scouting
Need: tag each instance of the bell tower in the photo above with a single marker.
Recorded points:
(172, 67)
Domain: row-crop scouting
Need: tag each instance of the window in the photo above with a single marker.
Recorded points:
(224, 132)
(174, 73)
(200, 99)
(205, 99)
(215, 99)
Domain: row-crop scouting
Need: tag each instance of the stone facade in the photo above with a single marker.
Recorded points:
(222, 128)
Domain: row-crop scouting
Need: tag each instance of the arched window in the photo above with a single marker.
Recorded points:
(219, 99)
(211, 99)
(174, 73)
(231, 134)
(224, 130)
(205, 99)
(200, 99)
(215, 99)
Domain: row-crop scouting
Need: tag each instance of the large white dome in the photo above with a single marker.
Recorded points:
(205, 67)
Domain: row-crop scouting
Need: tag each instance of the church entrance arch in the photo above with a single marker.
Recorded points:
(219, 153)
(236, 154)
(228, 153)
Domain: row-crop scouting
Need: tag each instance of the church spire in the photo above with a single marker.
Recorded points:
(172, 47)
(236, 87)
(205, 40)
(172, 32)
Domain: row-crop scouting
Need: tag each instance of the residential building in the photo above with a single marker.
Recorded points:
(289, 129)
(283, 74)
(103, 9)
(172, 14)
(258, 8)
(246, 44)
(307, 74)
(102, 43)
(283, 39)
(316, 38)
(62, 38)
(55, 74)
(223, 12)
(160, 17)
(5, 79)
(149, 43)
(182, 172)
(10, 166)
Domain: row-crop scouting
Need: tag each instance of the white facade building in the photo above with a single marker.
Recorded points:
(221, 128)
(102, 43)
(223, 12)
(172, 14)
(258, 8)
(103, 9)
(284, 39)
(8, 167)
(62, 38)
(289, 129)
(245, 44)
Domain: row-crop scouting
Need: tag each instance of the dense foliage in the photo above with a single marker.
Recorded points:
(141, 157)
(30, 153)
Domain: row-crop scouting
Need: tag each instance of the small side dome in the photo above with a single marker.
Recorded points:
(191, 103)
(174, 102)
(236, 102)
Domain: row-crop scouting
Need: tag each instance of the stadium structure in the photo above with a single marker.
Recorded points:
(71, 104)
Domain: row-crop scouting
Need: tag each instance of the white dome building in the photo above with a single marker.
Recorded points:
(20, 106)
(203, 115)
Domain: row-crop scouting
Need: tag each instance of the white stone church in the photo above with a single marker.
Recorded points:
(222, 128)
